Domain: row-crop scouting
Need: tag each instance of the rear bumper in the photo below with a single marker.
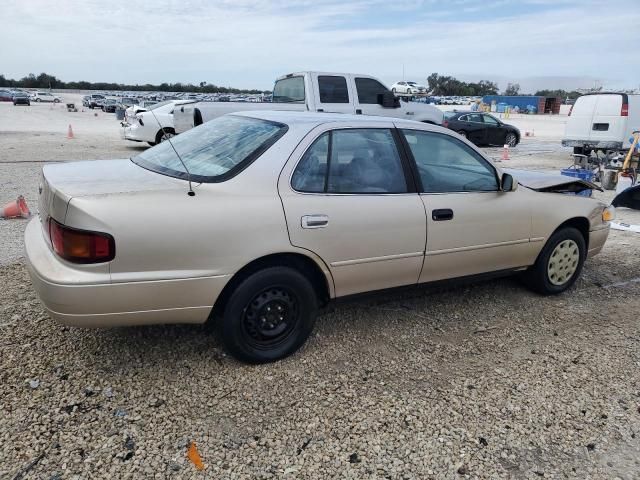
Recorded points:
(608, 144)
(597, 239)
(88, 299)
(133, 132)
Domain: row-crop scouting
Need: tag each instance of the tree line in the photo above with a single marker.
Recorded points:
(439, 85)
(45, 80)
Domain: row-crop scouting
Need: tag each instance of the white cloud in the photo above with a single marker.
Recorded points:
(247, 43)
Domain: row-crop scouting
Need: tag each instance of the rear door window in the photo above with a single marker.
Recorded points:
(333, 89)
(364, 161)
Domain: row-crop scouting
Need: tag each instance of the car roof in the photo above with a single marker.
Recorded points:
(288, 117)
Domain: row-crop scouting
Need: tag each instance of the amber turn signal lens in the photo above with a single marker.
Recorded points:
(609, 214)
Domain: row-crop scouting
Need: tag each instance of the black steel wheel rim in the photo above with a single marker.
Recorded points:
(270, 317)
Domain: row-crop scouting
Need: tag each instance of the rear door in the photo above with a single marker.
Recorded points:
(333, 94)
(579, 122)
(607, 123)
(348, 197)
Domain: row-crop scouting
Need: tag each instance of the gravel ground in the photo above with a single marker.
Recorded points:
(480, 381)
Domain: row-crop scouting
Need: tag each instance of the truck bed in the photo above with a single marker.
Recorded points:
(183, 117)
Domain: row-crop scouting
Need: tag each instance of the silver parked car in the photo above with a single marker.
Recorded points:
(267, 216)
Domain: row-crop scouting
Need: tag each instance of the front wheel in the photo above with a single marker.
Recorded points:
(269, 315)
(55, 100)
(511, 139)
(559, 264)
(38, 100)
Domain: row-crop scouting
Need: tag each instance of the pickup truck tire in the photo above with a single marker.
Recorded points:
(559, 264)
(165, 133)
(269, 315)
(153, 144)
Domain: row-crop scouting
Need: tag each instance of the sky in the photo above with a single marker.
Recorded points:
(248, 43)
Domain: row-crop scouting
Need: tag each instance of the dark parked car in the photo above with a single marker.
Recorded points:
(482, 128)
(6, 96)
(21, 98)
(109, 105)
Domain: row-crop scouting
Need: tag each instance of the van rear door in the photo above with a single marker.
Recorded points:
(607, 123)
(579, 123)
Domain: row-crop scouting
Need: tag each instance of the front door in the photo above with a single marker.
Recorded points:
(472, 226)
(350, 201)
(495, 133)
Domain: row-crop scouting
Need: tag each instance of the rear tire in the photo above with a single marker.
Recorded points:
(559, 264)
(269, 315)
(165, 133)
(153, 144)
(511, 139)
(462, 133)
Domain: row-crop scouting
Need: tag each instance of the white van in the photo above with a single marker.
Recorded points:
(602, 121)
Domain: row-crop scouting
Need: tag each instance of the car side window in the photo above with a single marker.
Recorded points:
(368, 90)
(333, 89)
(311, 173)
(351, 161)
(474, 117)
(445, 164)
(489, 120)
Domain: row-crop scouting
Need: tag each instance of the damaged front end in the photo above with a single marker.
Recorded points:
(544, 182)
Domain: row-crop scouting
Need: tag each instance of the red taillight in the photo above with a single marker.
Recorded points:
(570, 110)
(81, 246)
(445, 123)
(624, 112)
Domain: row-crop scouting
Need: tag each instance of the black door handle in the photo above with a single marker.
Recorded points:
(442, 214)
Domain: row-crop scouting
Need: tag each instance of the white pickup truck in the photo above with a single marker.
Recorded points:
(316, 92)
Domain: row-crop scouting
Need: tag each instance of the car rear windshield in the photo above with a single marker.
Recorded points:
(215, 151)
(449, 115)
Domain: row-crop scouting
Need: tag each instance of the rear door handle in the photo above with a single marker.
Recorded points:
(442, 214)
(314, 221)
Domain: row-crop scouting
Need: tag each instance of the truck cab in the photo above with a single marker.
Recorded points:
(348, 93)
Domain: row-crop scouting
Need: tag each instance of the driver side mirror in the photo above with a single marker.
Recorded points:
(388, 100)
(507, 183)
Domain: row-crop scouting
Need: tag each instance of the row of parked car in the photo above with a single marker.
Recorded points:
(24, 97)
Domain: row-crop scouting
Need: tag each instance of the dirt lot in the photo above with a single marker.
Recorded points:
(479, 381)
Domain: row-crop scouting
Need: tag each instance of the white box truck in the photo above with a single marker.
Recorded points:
(602, 121)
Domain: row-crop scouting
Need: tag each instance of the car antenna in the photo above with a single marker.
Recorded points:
(191, 193)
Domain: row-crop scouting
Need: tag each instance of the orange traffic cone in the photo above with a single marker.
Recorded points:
(70, 132)
(15, 209)
(505, 153)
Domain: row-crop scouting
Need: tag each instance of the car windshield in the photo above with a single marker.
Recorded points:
(214, 151)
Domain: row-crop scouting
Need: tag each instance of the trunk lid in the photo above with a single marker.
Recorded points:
(62, 182)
